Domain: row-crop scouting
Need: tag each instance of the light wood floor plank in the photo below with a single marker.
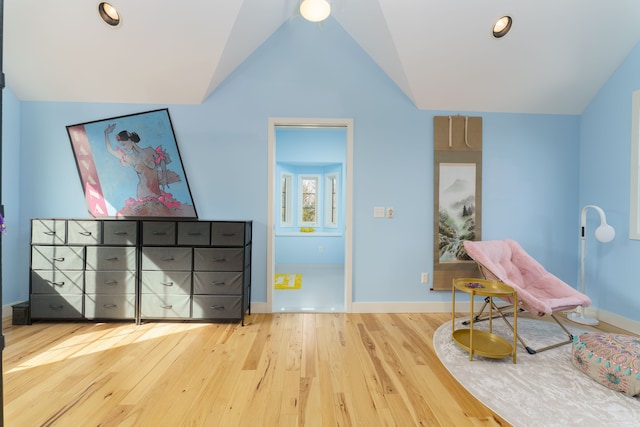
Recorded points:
(282, 369)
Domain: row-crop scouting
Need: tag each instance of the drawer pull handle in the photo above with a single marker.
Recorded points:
(56, 283)
(113, 258)
(120, 233)
(167, 283)
(111, 282)
(110, 306)
(219, 259)
(167, 307)
(218, 283)
(85, 233)
(50, 233)
(159, 233)
(58, 259)
(168, 259)
(228, 234)
(56, 307)
(218, 307)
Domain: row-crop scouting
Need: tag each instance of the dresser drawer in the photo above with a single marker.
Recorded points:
(218, 259)
(111, 258)
(57, 257)
(110, 282)
(48, 231)
(166, 282)
(56, 306)
(158, 233)
(120, 233)
(228, 234)
(81, 232)
(191, 233)
(165, 307)
(56, 281)
(225, 283)
(176, 259)
(217, 307)
(109, 306)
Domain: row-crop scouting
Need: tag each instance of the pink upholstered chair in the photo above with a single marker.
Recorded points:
(539, 292)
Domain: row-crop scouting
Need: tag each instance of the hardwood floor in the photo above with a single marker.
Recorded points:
(283, 369)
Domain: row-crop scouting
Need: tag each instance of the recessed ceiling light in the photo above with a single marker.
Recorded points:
(502, 27)
(109, 14)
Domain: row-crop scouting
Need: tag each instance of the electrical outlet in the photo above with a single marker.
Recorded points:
(425, 278)
(390, 212)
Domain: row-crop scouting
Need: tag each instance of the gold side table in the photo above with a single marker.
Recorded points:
(480, 342)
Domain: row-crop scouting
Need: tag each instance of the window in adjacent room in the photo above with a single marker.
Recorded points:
(286, 201)
(331, 200)
(308, 200)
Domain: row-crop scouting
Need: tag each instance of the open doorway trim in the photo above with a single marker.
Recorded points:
(271, 158)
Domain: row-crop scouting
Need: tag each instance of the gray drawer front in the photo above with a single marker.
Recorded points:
(109, 306)
(110, 282)
(176, 259)
(166, 282)
(165, 307)
(84, 232)
(56, 282)
(56, 306)
(48, 231)
(158, 233)
(218, 259)
(194, 233)
(120, 233)
(111, 258)
(227, 234)
(216, 307)
(57, 257)
(220, 283)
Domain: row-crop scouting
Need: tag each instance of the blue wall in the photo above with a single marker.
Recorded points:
(12, 240)
(605, 172)
(530, 169)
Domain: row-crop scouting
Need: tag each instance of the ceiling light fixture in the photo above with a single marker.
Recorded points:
(502, 27)
(315, 10)
(109, 14)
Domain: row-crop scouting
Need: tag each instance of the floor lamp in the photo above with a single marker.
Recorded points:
(604, 233)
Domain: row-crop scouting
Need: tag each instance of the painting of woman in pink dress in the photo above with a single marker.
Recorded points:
(135, 171)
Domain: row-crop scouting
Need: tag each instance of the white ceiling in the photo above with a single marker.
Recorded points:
(440, 53)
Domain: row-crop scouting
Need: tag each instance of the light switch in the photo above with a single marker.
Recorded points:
(378, 212)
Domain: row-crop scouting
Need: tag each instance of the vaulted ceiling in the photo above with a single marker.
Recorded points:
(440, 53)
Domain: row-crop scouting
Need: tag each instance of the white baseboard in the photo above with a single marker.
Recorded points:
(7, 311)
(425, 307)
(618, 321)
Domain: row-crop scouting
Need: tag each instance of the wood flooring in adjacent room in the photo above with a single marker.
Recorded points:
(283, 369)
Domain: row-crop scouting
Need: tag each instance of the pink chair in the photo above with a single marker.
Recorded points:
(539, 292)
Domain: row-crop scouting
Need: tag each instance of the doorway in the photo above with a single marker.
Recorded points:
(309, 239)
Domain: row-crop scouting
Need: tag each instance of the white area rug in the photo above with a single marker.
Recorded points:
(544, 389)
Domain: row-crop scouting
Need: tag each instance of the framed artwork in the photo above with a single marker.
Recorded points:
(130, 167)
(457, 192)
(457, 210)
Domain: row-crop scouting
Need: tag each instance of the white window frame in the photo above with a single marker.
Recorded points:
(300, 209)
(634, 214)
(288, 188)
(328, 201)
